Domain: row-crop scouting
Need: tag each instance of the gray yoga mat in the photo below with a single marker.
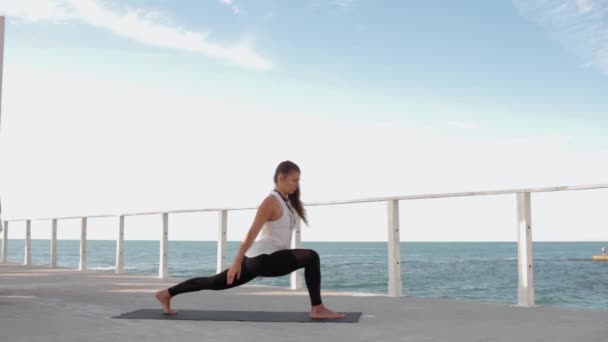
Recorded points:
(249, 316)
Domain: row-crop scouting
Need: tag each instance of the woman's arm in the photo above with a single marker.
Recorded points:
(263, 214)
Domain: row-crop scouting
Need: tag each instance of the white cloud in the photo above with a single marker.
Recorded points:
(584, 6)
(232, 5)
(35, 10)
(142, 26)
(581, 26)
(343, 3)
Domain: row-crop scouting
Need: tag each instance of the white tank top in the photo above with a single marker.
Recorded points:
(275, 235)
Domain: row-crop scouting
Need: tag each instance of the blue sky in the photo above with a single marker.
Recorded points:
(394, 97)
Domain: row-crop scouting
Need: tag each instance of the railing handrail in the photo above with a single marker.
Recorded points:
(525, 290)
(338, 202)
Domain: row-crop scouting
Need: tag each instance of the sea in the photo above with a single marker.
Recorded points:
(564, 274)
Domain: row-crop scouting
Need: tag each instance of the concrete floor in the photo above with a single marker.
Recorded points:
(42, 304)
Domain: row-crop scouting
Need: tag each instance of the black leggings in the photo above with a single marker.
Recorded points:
(277, 264)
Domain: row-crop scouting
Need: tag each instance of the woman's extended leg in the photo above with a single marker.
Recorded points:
(215, 282)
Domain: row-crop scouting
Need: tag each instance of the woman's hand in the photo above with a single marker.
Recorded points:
(234, 271)
(265, 210)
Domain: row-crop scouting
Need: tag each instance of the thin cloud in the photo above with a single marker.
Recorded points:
(581, 26)
(584, 6)
(343, 3)
(230, 3)
(151, 28)
(35, 10)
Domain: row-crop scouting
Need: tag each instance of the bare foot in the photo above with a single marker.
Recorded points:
(321, 312)
(165, 301)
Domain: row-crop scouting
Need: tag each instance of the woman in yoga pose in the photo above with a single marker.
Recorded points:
(270, 256)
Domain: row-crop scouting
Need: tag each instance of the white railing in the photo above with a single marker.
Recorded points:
(395, 285)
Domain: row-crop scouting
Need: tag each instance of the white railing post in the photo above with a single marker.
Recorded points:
(120, 242)
(28, 243)
(5, 243)
(296, 242)
(5, 230)
(83, 245)
(394, 251)
(525, 293)
(163, 267)
(221, 241)
(53, 261)
(2, 26)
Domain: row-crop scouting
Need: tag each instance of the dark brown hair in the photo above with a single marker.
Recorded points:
(285, 168)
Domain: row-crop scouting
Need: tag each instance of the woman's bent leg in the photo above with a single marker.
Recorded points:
(284, 262)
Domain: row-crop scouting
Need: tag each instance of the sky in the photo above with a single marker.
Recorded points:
(113, 107)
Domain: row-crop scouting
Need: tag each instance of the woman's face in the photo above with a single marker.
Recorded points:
(290, 182)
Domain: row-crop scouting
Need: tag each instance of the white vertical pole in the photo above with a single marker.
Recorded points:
(120, 242)
(221, 241)
(83, 245)
(5, 231)
(28, 243)
(525, 293)
(394, 251)
(2, 20)
(53, 262)
(5, 242)
(163, 268)
(296, 242)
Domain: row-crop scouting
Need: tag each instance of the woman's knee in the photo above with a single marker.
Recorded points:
(312, 256)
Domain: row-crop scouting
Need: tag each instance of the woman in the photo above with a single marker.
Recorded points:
(270, 256)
